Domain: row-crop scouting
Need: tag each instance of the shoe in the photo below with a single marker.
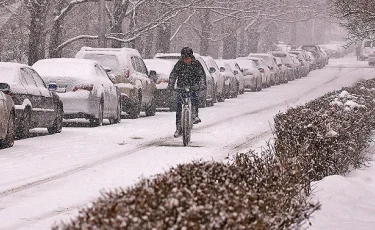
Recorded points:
(177, 133)
(196, 120)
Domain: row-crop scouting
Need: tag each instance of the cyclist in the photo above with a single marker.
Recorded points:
(188, 72)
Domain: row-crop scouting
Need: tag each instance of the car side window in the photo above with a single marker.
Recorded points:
(39, 82)
(134, 63)
(28, 78)
(143, 68)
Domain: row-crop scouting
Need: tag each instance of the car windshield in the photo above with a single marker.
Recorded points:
(106, 60)
(7, 75)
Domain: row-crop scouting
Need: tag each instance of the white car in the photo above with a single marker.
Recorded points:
(265, 72)
(226, 71)
(7, 117)
(130, 76)
(237, 74)
(252, 76)
(221, 86)
(268, 60)
(84, 88)
(162, 69)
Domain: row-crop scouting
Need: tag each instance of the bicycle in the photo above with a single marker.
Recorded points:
(186, 114)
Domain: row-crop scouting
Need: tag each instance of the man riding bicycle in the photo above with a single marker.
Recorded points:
(188, 72)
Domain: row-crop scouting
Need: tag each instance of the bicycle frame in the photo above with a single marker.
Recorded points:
(186, 115)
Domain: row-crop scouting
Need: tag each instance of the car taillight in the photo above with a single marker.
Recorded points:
(83, 87)
(261, 70)
(162, 81)
(127, 73)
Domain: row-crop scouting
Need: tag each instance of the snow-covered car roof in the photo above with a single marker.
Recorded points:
(8, 70)
(59, 67)
(128, 51)
(161, 66)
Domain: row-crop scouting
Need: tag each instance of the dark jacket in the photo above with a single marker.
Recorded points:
(192, 76)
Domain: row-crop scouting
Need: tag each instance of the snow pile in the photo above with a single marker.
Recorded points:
(329, 135)
(251, 192)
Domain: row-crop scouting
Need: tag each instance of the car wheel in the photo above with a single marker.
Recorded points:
(58, 123)
(151, 110)
(118, 113)
(24, 130)
(9, 139)
(98, 121)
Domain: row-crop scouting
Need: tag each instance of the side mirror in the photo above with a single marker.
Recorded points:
(153, 75)
(5, 88)
(241, 70)
(212, 70)
(107, 69)
(52, 87)
(222, 69)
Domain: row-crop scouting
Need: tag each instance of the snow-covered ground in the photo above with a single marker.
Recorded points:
(46, 178)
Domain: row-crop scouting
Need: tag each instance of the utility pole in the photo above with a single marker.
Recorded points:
(102, 30)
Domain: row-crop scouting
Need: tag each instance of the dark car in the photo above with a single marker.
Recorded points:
(318, 54)
(7, 114)
(35, 104)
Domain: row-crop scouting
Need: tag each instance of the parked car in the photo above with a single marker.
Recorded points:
(300, 70)
(131, 77)
(7, 117)
(206, 96)
(265, 72)
(35, 104)
(305, 65)
(162, 69)
(84, 88)
(252, 75)
(318, 54)
(288, 62)
(268, 60)
(229, 78)
(221, 87)
(285, 71)
(237, 74)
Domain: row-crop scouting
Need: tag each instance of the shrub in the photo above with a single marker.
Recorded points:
(251, 192)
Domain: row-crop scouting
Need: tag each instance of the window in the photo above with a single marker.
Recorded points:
(27, 77)
(134, 63)
(39, 82)
(142, 66)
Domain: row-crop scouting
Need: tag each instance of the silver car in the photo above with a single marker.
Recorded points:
(84, 88)
(7, 117)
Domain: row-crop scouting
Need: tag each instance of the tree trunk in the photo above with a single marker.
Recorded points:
(206, 28)
(149, 44)
(35, 37)
(38, 13)
(230, 46)
(253, 37)
(119, 12)
(55, 40)
(163, 41)
(242, 43)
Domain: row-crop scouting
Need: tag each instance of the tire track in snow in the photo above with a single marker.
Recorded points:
(159, 142)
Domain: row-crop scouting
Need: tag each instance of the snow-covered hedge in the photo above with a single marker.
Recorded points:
(329, 135)
(250, 192)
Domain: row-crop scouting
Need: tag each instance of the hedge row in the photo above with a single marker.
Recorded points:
(252, 191)
(329, 135)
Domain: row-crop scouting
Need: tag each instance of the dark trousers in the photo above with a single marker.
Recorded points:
(194, 104)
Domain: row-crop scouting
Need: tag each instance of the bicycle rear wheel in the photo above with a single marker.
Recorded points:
(186, 127)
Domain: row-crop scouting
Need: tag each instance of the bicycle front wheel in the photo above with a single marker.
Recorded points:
(186, 127)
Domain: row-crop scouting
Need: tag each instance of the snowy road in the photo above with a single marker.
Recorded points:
(46, 178)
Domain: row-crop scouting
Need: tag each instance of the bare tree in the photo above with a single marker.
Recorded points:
(358, 17)
(38, 12)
